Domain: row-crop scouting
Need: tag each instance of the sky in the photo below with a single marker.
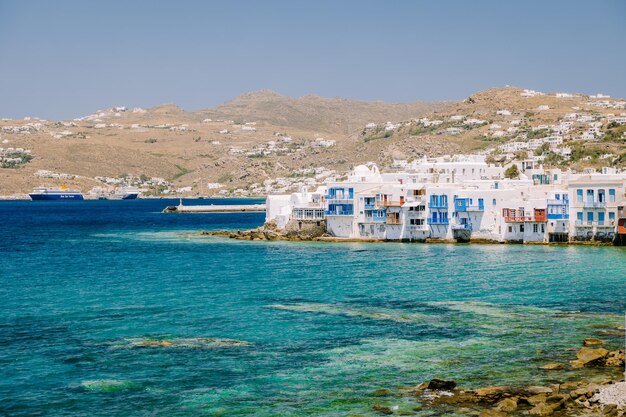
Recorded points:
(62, 59)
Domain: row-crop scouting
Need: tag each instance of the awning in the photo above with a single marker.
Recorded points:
(414, 204)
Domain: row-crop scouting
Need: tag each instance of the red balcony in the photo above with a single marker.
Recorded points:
(519, 216)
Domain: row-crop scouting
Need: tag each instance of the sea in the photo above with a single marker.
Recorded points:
(113, 308)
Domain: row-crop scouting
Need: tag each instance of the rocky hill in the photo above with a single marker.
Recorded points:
(263, 142)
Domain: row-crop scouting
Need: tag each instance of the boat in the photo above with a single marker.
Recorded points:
(55, 193)
(125, 193)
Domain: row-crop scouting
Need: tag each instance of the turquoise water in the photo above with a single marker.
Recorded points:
(113, 308)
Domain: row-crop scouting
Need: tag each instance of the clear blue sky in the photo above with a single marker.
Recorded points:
(65, 59)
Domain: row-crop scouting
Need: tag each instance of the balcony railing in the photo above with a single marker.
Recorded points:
(462, 226)
(439, 205)
(599, 223)
(393, 221)
(375, 219)
(606, 223)
(337, 200)
(416, 213)
(339, 213)
(558, 216)
(554, 202)
(417, 227)
(475, 207)
(389, 203)
(315, 215)
(438, 221)
(594, 204)
(370, 206)
(519, 219)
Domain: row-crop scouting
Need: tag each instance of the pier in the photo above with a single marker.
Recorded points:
(216, 208)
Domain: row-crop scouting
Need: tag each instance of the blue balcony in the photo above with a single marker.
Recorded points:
(462, 205)
(558, 216)
(443, 221)
(438, 205)
(338, 200)
(470, 207)
(370, 206)
(339, 212)
(334, 209)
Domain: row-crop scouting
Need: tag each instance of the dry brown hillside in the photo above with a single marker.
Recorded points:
(260, 142)
(315, 113)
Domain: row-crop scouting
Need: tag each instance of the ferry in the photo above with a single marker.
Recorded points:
(125, 193)
(55, 193)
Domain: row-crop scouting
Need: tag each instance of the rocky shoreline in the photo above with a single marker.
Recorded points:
(270, 232)
(601, 394)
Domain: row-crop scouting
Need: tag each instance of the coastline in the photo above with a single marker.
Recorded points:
(268, 232)
(601, 391)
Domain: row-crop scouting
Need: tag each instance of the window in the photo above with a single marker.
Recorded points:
(535, 228)
(521, 227)
(590, 194)
(612, 195)
(510, 229)
(590, 216)
(579, 216)
(494, 202)
(601, 196)
(612, 216)
(543, 228)
(601, 218)
(579, 196)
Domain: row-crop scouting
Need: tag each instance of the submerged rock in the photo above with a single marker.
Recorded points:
(592, 341)
(383, 392)
(382, 409)
(108, 385)
(193, 342)
(554, 366)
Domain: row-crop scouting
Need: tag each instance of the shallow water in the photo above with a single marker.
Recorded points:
(113, 308)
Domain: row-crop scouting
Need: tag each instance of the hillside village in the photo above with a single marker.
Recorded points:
(263, 143)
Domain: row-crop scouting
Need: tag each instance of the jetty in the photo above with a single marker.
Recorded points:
(215, 208)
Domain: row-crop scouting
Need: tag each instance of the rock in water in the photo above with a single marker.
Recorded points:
(592, 341)
(382, 409)
(552, 366)
(441, 384)
(508, 405)
(589, 357)
(541, 409)
(383, 392)
(615, 358)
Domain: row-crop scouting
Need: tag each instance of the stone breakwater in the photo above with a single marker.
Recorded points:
(598, 395)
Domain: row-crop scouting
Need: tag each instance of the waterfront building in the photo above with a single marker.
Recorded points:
(460, 198)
